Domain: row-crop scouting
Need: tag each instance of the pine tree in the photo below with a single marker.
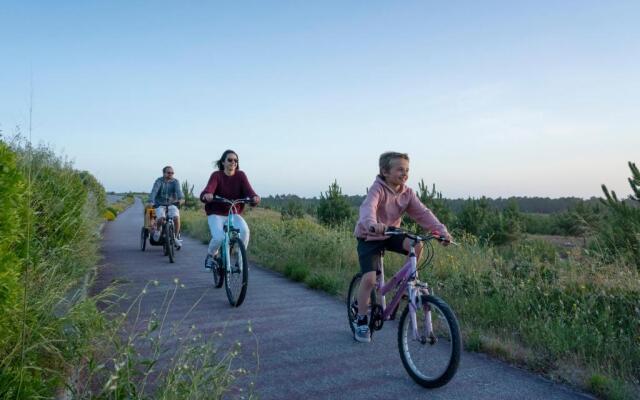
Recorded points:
(190, 200)
(435, 202)
(620, 231)
(334, 209)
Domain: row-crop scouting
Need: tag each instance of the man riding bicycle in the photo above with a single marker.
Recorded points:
(166, 191)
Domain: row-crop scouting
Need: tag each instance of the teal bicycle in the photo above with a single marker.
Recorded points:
(232, 266)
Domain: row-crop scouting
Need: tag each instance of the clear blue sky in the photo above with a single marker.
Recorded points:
(488, 98)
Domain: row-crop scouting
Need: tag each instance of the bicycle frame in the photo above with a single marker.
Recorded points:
(229, 229)
(406, 280)
(167, 220)
(226, 256)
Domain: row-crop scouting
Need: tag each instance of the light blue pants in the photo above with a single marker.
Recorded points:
(216, 227)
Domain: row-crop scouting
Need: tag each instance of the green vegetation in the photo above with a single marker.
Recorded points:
(293, 209)
(334, 209)
(190, 199)
(620, 235)
(49, 243)
(49, 329)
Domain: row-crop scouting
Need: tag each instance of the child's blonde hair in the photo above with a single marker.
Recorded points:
(386, 157)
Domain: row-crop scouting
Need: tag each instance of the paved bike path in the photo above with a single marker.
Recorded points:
(300, 346)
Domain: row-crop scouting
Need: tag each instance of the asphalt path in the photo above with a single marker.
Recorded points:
(295, 342)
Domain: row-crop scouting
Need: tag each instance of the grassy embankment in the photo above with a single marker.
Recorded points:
(574, 318)
(49, 329)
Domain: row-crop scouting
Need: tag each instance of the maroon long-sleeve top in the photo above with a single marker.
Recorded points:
(232, 187)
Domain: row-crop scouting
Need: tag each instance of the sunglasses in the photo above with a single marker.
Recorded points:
(169, 172)
(235, 160)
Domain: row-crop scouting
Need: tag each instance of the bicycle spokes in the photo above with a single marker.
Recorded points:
(236, 273)
(431, 357)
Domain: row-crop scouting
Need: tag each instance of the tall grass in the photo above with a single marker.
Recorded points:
(49, 330)
(55, 242)
(151, 357)
(574, 318)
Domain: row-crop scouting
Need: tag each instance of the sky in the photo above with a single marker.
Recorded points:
(490, 98)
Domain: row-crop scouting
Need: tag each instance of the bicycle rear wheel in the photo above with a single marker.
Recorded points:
(218, 273)
(352, 300)
(431, 359)
(237, 274)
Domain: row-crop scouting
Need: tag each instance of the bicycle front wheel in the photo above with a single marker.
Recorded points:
(432, 357)
(169, 243)
(143, 238)
(236, 273)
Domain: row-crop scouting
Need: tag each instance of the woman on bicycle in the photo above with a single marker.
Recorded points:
(231, 183)
(387, 200)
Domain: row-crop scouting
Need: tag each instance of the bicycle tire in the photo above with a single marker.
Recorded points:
(218, 273)
(169, 243)
(143, 239)
(352, 297)
(237, 274)
(430, 363)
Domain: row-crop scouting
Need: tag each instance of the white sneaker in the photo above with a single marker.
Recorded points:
(156, 235)
(362, 334)
(178, 243)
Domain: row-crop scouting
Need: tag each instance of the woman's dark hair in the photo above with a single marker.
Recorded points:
(220, 162)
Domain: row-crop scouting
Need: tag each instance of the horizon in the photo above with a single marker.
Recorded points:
(494, 99)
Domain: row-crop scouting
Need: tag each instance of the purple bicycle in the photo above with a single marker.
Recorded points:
(428, 333)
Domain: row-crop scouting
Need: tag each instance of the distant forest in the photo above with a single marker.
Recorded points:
(534, 205)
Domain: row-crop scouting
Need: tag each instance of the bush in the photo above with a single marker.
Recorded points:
(293, 209)
(490, 225)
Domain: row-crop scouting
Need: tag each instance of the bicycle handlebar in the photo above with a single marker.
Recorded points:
(246, 200)
(394, 231)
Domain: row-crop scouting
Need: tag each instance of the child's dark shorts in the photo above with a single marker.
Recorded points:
(369, 251)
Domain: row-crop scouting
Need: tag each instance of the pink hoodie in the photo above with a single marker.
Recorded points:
(386, 206)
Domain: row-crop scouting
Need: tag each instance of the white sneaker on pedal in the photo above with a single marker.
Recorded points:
(178, 243)
(362, 334)
(156, 235)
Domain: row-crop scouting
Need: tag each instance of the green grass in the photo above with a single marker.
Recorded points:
(521, 303)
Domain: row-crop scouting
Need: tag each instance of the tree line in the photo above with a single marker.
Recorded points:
(612, 224)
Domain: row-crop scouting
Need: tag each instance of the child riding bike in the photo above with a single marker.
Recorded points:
(387, 200)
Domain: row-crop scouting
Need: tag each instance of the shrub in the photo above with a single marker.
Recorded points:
(490, 225)
(293, 209)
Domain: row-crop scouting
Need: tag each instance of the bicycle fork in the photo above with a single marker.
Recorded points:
(415, 296)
